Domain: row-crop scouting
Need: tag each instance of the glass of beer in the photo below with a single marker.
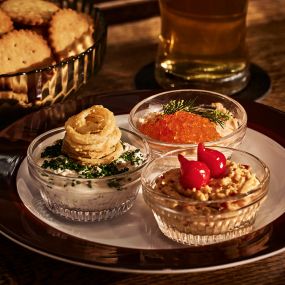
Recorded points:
(202, 45)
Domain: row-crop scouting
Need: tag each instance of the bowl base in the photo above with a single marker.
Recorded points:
(200, 240)
(89, 216)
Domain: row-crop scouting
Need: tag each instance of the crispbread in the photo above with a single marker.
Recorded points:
(6, 23)
(69, 33)
(23, 50)
(29, 12)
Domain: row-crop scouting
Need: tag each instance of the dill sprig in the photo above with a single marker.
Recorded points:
(174, 106)
(206, 111)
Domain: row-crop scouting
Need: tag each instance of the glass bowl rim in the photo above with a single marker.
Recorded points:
(179, 145)
(102, 34)
(38, 168)
(235, 198)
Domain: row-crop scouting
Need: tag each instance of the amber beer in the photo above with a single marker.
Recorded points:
(202, 44)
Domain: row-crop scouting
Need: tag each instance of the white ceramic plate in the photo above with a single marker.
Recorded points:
(133, 231)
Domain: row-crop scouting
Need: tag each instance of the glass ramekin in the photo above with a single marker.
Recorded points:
(154, 104)
(82, 199)
(204, 222)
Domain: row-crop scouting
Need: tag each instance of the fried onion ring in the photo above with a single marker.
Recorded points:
(92, 136)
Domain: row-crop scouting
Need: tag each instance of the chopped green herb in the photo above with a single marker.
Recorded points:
(53, 150)
(134, 157)
(62, 162)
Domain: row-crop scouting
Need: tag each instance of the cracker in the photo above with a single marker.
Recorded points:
(90, 21)
(22, 51)
(29, 12)
(70, 33)
(6, 24)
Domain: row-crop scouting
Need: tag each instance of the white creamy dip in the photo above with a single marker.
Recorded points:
(67, 190)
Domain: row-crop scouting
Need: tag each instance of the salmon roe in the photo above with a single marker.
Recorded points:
(180, 127)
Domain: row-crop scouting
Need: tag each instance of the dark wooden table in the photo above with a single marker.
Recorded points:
(132, 46)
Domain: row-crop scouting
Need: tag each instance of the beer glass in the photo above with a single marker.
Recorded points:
(202, 45)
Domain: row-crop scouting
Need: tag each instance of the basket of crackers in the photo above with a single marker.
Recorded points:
(48, 50)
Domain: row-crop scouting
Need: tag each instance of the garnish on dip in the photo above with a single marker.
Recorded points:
(194, 174)
(210, 112)
(210, 177)
(91, 147)
(215, 160)
(182, 121)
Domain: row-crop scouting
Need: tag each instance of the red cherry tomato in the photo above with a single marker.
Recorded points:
(214, 159)
(194, 174)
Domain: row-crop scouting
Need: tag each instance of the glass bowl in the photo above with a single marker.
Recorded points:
(201, 97)
(195, 222)
(51, 84)
(82, 199)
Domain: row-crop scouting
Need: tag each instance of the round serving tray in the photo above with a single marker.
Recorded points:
(22, 227)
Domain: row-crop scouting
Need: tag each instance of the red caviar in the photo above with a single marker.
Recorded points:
(180, 127)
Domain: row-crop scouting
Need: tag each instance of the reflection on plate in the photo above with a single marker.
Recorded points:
(130, 230)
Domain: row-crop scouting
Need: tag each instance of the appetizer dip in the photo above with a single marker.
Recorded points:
(183, 122)
(216, 179)
(182, 118)
(90, 169)
(205, 200)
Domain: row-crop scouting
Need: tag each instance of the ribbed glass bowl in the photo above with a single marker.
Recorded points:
(82, 199)
(51, 84)
(155, 103)
(194, 222)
